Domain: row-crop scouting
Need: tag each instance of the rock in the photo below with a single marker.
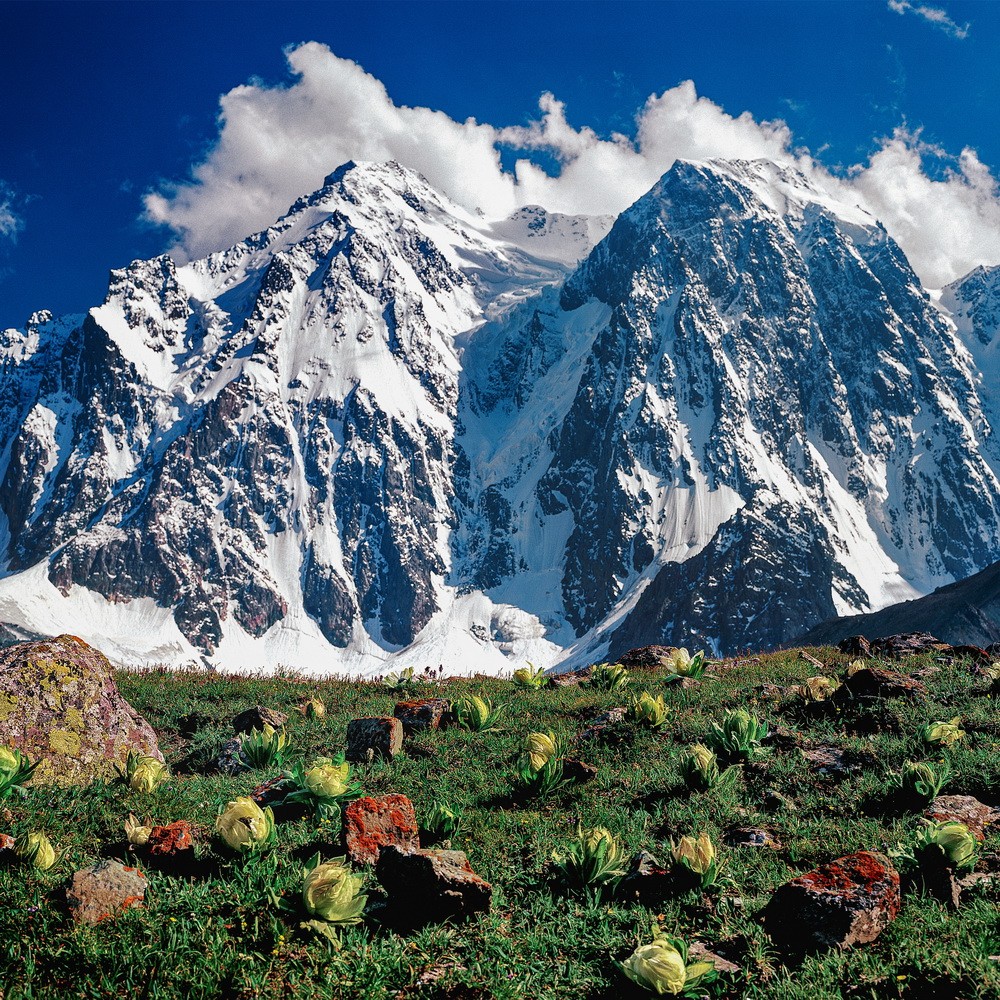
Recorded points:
(59, 703)
(936, 877)
(376, 737)
(856, 645)
(6, 844)
(965, 809)
(775, 801)
(167, 841)
(603, 725)
(907, 644)
(697, 952)
(645, 656)
(646, 879)
(569, 679)
(229, 760)
(577, 771)
(836, 762)
(272, 791)
(104, 890)
(420, 715)
(432, 885)
(876, 682)
(373, 823)
(837, 905)
(257, 717)
(752, 836)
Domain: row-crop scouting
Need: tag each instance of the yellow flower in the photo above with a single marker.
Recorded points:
(35, 849)
(697, 855)
(658, 967)
(331, 893)
(137, 833)
(145, 773)
(327, 780)
(540, 748)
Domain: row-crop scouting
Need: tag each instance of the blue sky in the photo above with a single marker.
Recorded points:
(107, 103)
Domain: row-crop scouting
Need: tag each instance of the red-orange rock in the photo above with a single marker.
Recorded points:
(373, 823)
(174, 838)
(846, 902)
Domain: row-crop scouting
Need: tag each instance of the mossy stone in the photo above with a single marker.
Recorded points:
(59, 702)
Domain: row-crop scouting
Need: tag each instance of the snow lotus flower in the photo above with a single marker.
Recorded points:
(144, 774)
(529, 677)
(539, 749)
(313, 708)
(15, 770)
(35, 849)
(244, 827)
(595, 859)
(261, 748)
(327, 780)
(942, 734)
(924, 780)
(697, 856)
(649, 711)
(442, 822)
(608, 677)
(680, 663)
(661, 967)
(700, 768)
(477, 714)
(332, 893)
(955, 839)
(137, 833)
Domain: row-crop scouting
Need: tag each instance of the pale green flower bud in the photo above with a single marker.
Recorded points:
(35, 849)
(331, 892)
(245, 827)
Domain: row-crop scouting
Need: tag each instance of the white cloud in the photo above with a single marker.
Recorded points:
(935, 15)
(11, 222)
(277, 143)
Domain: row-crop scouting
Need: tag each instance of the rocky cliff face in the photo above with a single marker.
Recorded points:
(385, 429)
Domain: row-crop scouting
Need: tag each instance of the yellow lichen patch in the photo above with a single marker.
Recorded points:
(74, 718)
(7, 705)
(61, 741)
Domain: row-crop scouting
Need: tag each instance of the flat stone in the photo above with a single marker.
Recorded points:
(171, 839)
(752, 836)
(367, 739)
(59, 703)
(257, 717)
(421, 714)
(432, 885)
(569, 679)
(836, 762)
(697, 952)
(965, 809)
(907, 644)
(847, 902)
(371, 824)
(603, 725)
(104, 890)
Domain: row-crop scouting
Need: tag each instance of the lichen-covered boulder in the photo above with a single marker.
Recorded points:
(104, 890)
(59, 703)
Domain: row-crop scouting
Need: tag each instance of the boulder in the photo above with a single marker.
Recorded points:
(370, 738)
(59, 703)
(647, 880)
(752, 836)
(373, 823)
(258, 717)
(645, 656)
(855, 645)
(837, 905)
(875, 682)
(103, 891)
(578, 771)
(431, 885)
(421, 714)
(230, 760)
(965, 809)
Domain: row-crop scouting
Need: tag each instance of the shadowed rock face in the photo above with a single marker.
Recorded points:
(59, 702)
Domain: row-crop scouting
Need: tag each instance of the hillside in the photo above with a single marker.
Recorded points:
(963, 613)
(209, 929)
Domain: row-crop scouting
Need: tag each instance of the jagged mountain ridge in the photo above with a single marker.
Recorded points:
(385, 430)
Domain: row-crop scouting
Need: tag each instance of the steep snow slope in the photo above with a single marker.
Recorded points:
(388, 432)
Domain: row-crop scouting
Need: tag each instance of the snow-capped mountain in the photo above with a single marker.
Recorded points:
(386, 431)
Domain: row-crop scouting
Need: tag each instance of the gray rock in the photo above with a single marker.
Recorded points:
(103, 891)
(375, 737)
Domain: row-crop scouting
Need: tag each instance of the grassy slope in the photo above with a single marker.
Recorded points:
(215, 935)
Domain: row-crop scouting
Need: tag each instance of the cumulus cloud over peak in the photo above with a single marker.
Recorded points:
(277, 143)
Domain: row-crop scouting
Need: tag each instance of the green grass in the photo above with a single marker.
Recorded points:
(215, 934)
